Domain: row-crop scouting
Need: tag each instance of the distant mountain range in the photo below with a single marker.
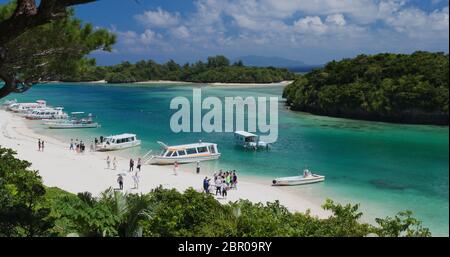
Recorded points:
(265, 61)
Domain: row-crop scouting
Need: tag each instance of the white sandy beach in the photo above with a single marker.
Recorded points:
(171, 82)
(217, 84)
(281, 83)
(161, 82)
(81, 82)
(75, 173)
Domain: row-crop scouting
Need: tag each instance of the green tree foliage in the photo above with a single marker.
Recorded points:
(22, 199)
(50, 50)
(388, 87)
(167, 212)
(27, 208)
(216, 69)
(403, 224)
(218, 61)
(112, 214)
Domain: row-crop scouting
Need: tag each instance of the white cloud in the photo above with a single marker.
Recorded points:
(288, 26)
(419, 24)
(310, 24)
(127, 37)
(336, 19)
(158, 18)
(180, 32)
(147, 37)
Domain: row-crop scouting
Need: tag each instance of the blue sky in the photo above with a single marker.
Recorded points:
(314, 32)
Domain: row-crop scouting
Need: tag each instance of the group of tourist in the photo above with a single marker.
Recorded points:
(98, 141)
(223, 181)
(108, 163)
(78, 146)
(134, 176)
(40, 145)
(138, 165)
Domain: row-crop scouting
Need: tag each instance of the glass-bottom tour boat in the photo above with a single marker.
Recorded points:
(118, 142)
(201, 151)
(76, 121)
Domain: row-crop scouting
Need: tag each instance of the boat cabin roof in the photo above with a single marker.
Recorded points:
(28, 104)
(125, 135)
(43, 109)
(186, 146)
(245, 134)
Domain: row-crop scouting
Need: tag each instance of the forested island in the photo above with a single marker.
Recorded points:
(215, 69)
(388, 87)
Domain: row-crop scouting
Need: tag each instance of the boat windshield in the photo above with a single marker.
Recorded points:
(250, 139)
(306, 173)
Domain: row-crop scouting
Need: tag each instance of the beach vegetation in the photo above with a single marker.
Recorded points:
(403, 88)
(23, 207)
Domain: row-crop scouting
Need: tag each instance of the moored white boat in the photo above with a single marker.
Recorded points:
(75, 122)
(118, 142)
(47, 114)
(306, 178)
(24, 107)
(7, 103)
(187, 153)
(72, 125)
(249, 140)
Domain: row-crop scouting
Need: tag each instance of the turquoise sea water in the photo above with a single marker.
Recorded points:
(385, 167)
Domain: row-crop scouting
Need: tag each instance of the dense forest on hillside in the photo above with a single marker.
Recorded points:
(384, 87)
(216, 69)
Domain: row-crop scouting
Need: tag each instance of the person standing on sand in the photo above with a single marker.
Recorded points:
(198, 167)
(224, 190)
(218, 183)
(120, 181)
(206, 185)
(234, 179)
(228, 179)
(42, 145)
(136, 180)
(175, 168)
(114, 163)
(71, 144)
(108, 162)
(39, 144)
(131, 165)
(139, 162)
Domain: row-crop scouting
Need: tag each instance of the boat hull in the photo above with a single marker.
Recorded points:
(45, 117)
(80, 126)
(161, 160)
(299, 180)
